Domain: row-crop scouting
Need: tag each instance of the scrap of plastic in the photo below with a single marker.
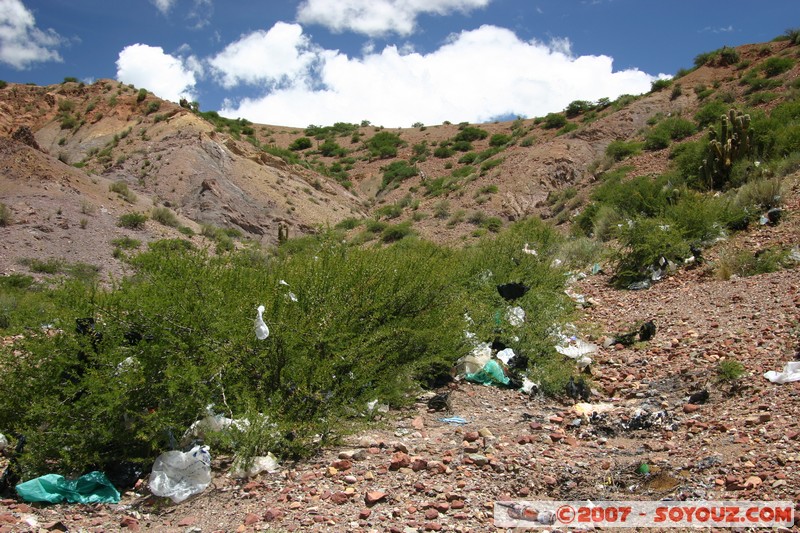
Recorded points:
(587, 409)
(93, 487)
(528, 250)
(515, 316)
(490, 374)
(178, 475)
(475, 360)
(3, 442)
(213, 423)
(791, 372)
(639, 285)
(262, 331)
(528, 385)
(506, 355)
(583, 361)
(263, 463)
(454, 420)
(577, 349)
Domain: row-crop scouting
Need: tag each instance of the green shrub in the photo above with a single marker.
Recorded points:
(644, 242)
(744, 263)
(126, 243)
(490, 164)
(141, 95)
(760, 195)
(44, 266)
(396, 172)
(152, 107)
(775, 66)
(164, 216)
(554, 120)
(396, 232)
(331, 148)
(619, 150)
(301, 143)
(659, 85)
(471, 133)
(348, 223)
(132, 220)
(384, 145)
(578, 107)
(122, 189)
(444, 151)
(6, 218)
(367, 325)
(186, 230)
(499, 139)
(729, 370)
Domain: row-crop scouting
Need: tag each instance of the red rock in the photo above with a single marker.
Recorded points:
(471, 436)
(555, 437)
(764, 417)
(457, 504)
(436, 467)
(308, 476)
(418, 423)
(373, 497)
(272, 514)
(343, 464)
(431, 514)
(187, 521)
(550, 480)
(419, 464)
(23, 508)
(364, 514)
(55, 526)
(399, 460)
(339, 497)
(432, 526)
(251, 486)
(130, 523)
(442, 507)
(690, 408)
(8, 518)
(535, 426)
(250, 519)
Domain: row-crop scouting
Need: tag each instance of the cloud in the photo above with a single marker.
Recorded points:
(378, 17)
(21, 42)
(200, 14)
(475, 76)
(163, 5)
(279, 55)
(168, 77)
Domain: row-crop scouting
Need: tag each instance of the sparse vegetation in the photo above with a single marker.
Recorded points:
(6, 219)
(122, 189)
(164, 216)
(132, 220)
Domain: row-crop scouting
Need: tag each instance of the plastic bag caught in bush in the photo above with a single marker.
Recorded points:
(178, 475)
(491, 374)
(93, 487)
(262, 331)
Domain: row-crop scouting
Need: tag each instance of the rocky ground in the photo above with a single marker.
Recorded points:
(416, 472)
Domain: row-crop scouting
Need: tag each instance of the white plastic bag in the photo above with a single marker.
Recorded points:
(263, 463)
(262, 331)
(3, 442)
(506, 355)
(178, 475)
(791, 372)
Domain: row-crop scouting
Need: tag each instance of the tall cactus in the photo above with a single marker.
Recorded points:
(733, 143)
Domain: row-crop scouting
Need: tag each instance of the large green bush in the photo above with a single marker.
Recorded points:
(353, 325)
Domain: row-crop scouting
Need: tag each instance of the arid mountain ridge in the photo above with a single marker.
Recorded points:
(64, 145)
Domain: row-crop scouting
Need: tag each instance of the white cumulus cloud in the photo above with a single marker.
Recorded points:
(476, 76)
(378, 17)
(166, 76)
(21, 42)
(281, 54)
(163, 5)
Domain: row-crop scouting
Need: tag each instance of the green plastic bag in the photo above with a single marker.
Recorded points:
(93, 487)
(491, 374)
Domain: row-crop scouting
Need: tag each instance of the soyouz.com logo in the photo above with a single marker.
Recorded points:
(643, 514)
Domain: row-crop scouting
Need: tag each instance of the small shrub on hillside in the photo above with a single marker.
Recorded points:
(384, 145)
(619, 150)
(644, 242)
(500, 139)
(126, 243)
(141, 95)
(152, 107)
(444, 151)
(301, 143)
(729, 370)
(396, 172)
(744, 263)
(471, 133)
(122, 189)
(348, 223)
(760, 195)
(396, 232)
(132, 220)
(659, 85)
(6, 218)
(164, 216)
(775, 66)
(554, 121)
(44, 266)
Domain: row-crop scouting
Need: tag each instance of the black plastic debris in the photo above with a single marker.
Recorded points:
(772, 217)
(699, 397)
(647, 331)
(646, 420)
(578, 390)
(124, 474)
(440, 402)
(512, 291)
(10, 476)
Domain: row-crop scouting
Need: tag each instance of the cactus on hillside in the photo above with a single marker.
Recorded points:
(731, 144)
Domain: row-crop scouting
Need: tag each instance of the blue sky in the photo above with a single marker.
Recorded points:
(392, 62)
